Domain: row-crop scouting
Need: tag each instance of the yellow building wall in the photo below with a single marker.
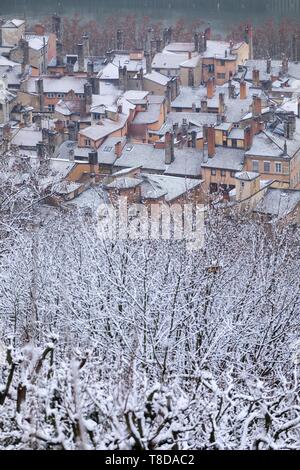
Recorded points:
(218, 178)
(272, 175)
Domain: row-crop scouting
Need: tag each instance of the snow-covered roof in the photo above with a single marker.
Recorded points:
(26, 137)
(246, 176)
(168, 61)
(58, 85)
(97, 131)
(191, 63)
(172, 187)
(219, 50)
(278, 202)
(180, 47)
(36, 42)
(111, 70)
(226, 159)
(236, 108)
(15, 23)
(261, 65)
(158, 78)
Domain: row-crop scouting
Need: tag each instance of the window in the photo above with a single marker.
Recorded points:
(278, 168)
(213, 172)
(51, 108)
(267, 167)
(232, 174)
(107, 149)
(255, 166)
(234, 143)
(211, 68)
(221, 76)
(222, 63)
(51, 95)
(87, 142)
(223, 172)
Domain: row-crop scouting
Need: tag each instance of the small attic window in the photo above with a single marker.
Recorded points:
(129, 148)
(107, 149)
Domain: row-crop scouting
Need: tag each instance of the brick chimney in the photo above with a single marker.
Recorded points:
(95, 83)
(72, 131)
(243, 90)
(59, 54)
(202, 43)
(123, 78)
(25, 53)
(221, 103)
(296, 48)
(255, 77)
(249, 40)
(231, 89)
(210, 88)
(120, 40)
(248, 138)
(93, 162)
(211, 141)
(285, 64)
(140, 78)
(86, 45)
(88, 97)
(158, 45)
(56, 26)
(40, 91)
(204, 107)
(194, 139)
(80, 53)
(207, 33)
(148, 62)
(39, 29)
(256, 106)
(118, 149)
(169, 148)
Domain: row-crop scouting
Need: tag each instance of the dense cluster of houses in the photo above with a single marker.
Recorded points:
(201, 121)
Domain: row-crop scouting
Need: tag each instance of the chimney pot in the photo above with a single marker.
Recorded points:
(169, 148)
(256, 77)
(211, 141)
(80, 53)
(243, 90)
(257, 106)
(118, 149)
(210, 88)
